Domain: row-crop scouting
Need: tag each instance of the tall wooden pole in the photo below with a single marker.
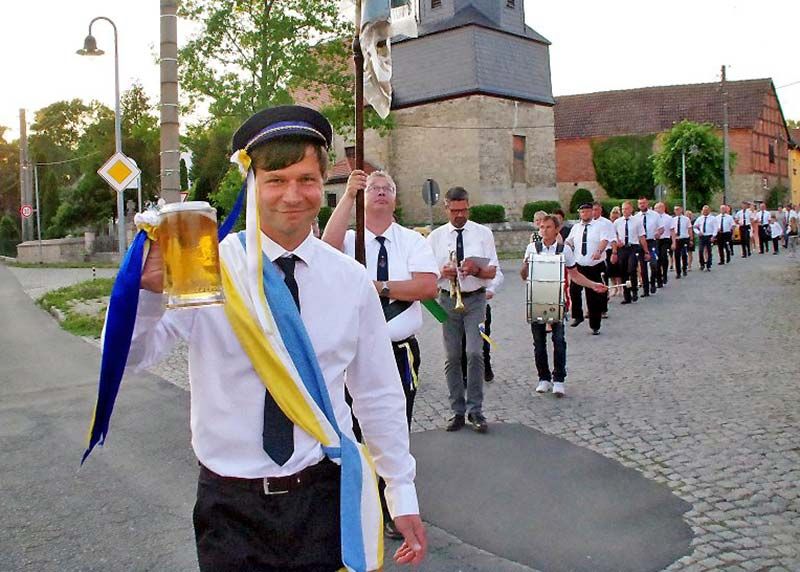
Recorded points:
(170, 136)
(358, 59)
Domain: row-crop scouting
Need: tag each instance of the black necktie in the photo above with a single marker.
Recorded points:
(278, 433)
(585, 239)
(705, 220)
(382, 274)
(627, 242)
(460, 245)
(644, 221)
(679, 227)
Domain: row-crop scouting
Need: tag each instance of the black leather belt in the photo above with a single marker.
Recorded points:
(324, 470)
(464, 294)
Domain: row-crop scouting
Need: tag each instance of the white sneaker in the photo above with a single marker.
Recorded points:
(558, 389)
(543, 387)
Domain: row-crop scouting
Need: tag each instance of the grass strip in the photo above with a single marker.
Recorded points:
(79, 323)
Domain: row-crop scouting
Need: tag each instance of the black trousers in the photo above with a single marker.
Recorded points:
(706, 256)
(627, 259)
(723, 246)
(775, 242)
(596, 303)
(649, 268)
(763, 238)
(744, 235)
(681, 256)
(239, 528)
(664, 247)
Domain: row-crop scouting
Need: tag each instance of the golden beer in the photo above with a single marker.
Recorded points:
(187, 234)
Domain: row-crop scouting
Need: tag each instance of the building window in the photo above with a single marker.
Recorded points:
(436, 4)
(518, 150)
(330, 200)
(509, 3)
(771, 153)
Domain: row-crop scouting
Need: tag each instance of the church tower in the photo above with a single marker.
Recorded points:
(473, 107)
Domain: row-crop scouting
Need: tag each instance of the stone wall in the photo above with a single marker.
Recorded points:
(55, 250)
(511, 236)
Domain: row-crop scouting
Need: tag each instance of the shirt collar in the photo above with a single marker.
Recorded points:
(304, 252)
(451, 229)
(388, 234)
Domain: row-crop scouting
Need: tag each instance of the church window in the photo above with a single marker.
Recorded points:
(436, 3)
(518, 149)
(509, 3)
(771, 153)
(330, 200)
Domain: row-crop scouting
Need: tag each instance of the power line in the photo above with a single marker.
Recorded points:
(66, 160)
(788, 84)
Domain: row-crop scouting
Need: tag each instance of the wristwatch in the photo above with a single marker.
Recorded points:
(384, 290)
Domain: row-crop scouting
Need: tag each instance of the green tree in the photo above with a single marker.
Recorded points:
(704, 158)
(225, 196)
(624, 165)
(9, 174)
(793, 123)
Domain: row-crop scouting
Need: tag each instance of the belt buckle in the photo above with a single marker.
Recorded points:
(267, 490)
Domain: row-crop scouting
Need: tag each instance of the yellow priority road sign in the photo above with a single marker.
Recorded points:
(119, 171)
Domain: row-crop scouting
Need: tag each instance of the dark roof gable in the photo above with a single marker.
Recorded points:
(655, 109)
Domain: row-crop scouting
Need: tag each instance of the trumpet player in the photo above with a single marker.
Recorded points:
(467, 259)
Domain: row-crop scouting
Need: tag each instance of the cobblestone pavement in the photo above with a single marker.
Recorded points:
(697, 387)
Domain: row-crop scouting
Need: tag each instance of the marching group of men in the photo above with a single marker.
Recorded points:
(268, 491)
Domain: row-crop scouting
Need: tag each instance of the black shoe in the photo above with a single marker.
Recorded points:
(684, 273)
(626, 302)
(678, 277)
(576, 322)
(708, 269)
(455, 423)
(652, 289)
(646, 294)
(635, 297)
(390, 531)
(488, 375)
(604, 315)
(595, 332)
(478, 422)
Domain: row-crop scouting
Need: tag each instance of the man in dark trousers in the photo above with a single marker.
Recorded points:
(763, 228)
(705, 227)
(630, 244)
(588, 239)
(651, 223)
(724, 234)
(743, 222)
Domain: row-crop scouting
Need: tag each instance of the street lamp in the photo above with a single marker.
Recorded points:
(693, 150)
(90, 49)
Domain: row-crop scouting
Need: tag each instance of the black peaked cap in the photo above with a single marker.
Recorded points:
(276, 122)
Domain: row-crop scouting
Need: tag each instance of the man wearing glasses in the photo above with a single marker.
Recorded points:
(402, 267)
(466, 257)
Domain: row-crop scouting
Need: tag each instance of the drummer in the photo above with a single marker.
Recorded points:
(550, 244)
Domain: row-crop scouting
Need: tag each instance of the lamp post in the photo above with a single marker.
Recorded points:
(90, 49)
(693, 150)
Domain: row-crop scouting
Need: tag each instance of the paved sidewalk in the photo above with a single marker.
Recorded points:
(696, 387)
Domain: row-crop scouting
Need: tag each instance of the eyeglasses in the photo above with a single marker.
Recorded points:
(385, 188)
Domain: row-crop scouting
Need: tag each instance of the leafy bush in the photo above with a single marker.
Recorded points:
(624, 165)
(578, 198)
(776, 197)
(530, 208)
(8, 228)
(487, 213)
(324, 215)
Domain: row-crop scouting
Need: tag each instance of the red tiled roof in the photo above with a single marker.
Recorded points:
(343, 167)
(654, 109)
(794, 135)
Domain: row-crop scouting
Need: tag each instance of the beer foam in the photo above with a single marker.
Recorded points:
(148, 217)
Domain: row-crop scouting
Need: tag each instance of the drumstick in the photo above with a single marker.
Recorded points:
(627, 284)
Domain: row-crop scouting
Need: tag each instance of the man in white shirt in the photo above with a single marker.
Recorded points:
(705, 227)
(467, 260)
(402, 268)
(681, 236)
(611, 233)
(630, 244)
(788, 214)
(763, 217)
(588, 241)
(651, 223)
(549, 244)
(268, 495)
(743, 222)
(664, 243)
(724, 234)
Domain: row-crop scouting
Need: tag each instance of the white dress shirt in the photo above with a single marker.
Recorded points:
(478, 241)
(743, 217)
(635, 230)
(569, 254)
(406, 252)
(608, 227)
(776, 230)
(666, 226)
(707, 221)
(595, 235)
(763, 217)
(651, 222)
(725, 222)
(344, 320)
(684, 223)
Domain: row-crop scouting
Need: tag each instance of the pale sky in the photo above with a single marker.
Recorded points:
(596, 46)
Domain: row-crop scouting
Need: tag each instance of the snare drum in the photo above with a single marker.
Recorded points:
(545, 289)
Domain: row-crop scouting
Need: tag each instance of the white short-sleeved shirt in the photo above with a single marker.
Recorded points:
(478, 241)
(635, 230)
(681, 225)
(706, 225)
(666, 226)
(569, 254)
(651, 222)
(597, 232)
(407, 252)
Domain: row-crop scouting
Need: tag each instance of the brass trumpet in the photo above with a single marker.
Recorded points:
(455, 287)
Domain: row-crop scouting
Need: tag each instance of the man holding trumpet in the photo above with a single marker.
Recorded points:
(554, 380)
(466, 255)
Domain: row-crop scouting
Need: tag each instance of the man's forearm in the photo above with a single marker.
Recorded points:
(337, 224)
(421, 287)
(580, 279)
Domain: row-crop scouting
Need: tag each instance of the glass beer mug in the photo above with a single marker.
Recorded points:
(187, 234)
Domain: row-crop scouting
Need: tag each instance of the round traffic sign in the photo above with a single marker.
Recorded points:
(26, 211)
(430, 192)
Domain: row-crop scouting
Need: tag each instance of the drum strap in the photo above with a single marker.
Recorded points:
(538, 246)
